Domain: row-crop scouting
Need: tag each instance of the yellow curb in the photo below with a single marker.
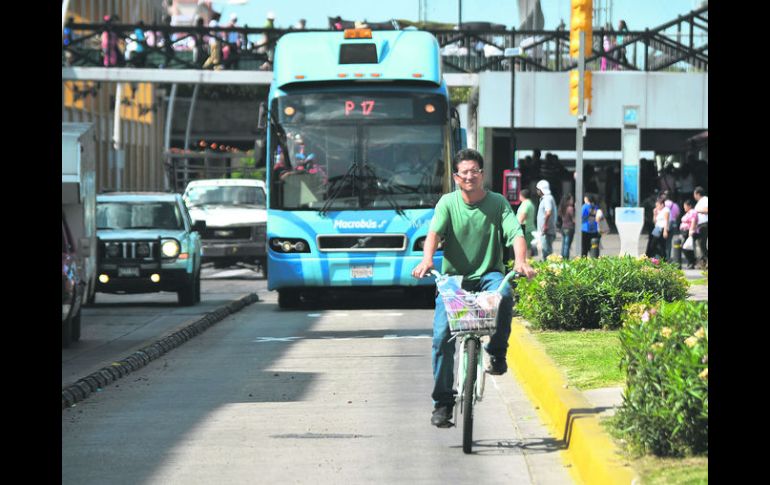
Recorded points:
(594, 457)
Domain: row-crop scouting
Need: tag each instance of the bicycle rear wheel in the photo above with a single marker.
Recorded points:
(469, 389)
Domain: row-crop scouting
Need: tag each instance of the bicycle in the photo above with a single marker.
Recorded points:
(471, 316)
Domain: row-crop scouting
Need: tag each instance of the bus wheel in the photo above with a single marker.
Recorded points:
(288, 298)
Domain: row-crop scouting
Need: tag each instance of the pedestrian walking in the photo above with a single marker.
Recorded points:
(567, 218)
(526, 216)
(264, 46)
(546, 218)
(702, 208)
(673, 221)
(109, 43)
(214, 61)
(621, 52)
(591, 214)
(656, 245)
(689, 226)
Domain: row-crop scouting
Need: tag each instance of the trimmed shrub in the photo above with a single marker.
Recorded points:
(591, 292)
(665, 355)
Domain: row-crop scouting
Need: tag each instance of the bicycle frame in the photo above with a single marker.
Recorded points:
(462, 371)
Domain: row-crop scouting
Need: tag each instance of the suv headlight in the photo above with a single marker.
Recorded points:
(170, 248)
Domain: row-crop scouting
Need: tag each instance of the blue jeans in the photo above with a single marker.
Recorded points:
(546, 240)
(566, 242)
(443, 352)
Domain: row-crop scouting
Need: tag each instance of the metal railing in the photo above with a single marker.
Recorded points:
(183, 167)
(679, 45)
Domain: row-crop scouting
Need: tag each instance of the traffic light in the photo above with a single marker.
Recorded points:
(580, 19)
(574, 99)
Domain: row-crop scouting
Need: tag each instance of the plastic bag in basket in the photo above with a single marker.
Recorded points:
(488, 300)
(449, 285)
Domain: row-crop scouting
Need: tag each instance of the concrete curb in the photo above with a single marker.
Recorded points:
(594, 457)
(94, 382)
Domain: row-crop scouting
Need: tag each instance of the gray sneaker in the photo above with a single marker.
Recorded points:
(442, 416)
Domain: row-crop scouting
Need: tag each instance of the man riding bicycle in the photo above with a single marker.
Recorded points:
(476, 224)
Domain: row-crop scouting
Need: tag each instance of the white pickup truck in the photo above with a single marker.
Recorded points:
(235, 212)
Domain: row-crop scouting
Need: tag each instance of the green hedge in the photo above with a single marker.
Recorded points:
(591, 292)
(665, 355)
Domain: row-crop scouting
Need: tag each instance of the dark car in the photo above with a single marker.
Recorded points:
(72, 288)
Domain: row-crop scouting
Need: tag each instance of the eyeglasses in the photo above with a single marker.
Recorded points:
(469, 173)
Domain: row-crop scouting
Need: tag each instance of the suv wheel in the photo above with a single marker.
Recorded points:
(198, 287)
(66, 332)
(75, 327)
(186, 294)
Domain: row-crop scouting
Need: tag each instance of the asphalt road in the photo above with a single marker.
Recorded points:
(335, 392)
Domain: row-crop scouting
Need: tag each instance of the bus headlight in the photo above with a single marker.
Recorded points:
(170, 248)
(419, 244)
(289, 245)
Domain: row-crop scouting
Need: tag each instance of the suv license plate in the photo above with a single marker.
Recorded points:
(357, 272)
(128, 271)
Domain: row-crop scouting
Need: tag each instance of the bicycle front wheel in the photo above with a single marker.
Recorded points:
(469, 389)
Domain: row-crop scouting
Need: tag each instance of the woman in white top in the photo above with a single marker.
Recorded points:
(702, 208)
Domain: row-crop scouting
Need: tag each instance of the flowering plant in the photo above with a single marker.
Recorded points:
(591, 292)
(665, 355)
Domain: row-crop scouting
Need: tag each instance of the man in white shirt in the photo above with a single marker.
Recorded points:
(702, 208)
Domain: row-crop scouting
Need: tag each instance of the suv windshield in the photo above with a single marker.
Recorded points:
(138, 215)
(237, 195)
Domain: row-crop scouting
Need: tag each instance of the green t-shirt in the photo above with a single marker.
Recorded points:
(529, 218)
(472, 245)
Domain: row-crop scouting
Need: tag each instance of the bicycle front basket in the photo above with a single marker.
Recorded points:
(472, 311)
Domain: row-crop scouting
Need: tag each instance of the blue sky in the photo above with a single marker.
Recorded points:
(638, 14)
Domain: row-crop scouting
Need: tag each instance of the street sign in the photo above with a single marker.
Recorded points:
(630, 116)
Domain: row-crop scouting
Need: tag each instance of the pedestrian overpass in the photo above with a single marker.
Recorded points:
(663, 71)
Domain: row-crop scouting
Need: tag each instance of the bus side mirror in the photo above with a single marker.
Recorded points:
(259, 150)
(259, 143)
(262, 116)
(457, 133)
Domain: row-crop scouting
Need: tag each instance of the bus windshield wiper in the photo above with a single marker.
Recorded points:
(368, 168)
(351, 173)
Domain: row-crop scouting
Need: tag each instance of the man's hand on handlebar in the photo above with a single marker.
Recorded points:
(422, 269)
(523, 268)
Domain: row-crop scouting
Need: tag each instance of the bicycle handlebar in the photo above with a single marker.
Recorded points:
(509, 276)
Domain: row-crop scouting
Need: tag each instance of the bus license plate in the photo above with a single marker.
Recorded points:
(357, 272)
(128, 271)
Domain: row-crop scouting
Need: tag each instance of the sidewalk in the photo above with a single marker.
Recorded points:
(572, 414)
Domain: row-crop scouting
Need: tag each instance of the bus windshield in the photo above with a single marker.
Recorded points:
(342, 152)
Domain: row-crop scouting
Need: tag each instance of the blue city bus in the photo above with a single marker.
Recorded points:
(360, 136)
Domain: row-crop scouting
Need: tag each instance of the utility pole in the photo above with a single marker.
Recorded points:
(512, 53)
(580, 40)
(581, 119)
